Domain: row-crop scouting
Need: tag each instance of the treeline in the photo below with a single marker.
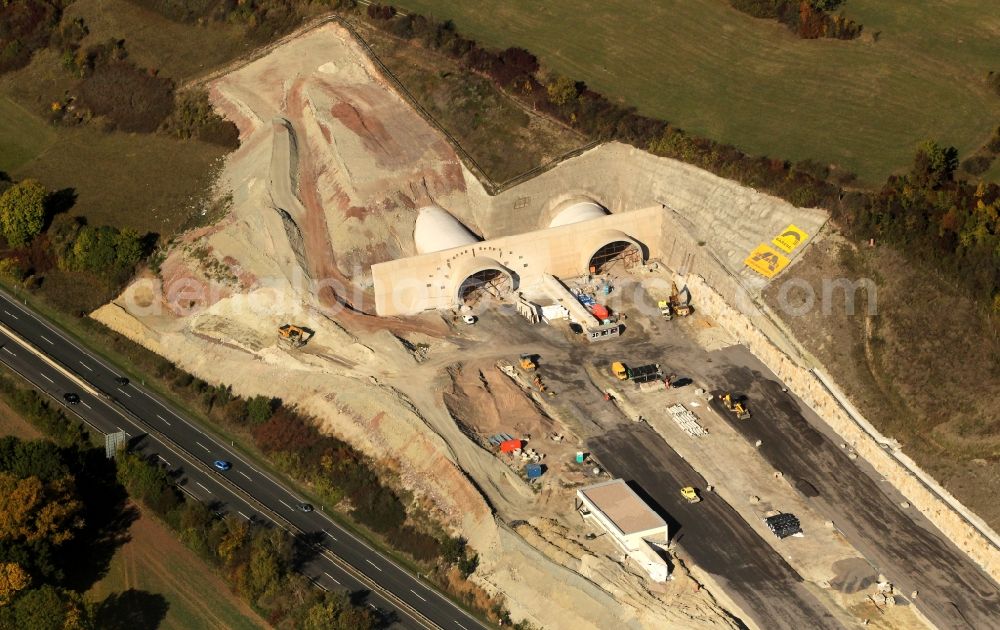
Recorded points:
(809, 19)
(257, 561)
(61, 499)
(336, 471)
(38, 236)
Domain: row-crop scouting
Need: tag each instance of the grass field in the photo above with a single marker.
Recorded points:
(23, 135)
(155, 562)
(716, 72)
(13, 424)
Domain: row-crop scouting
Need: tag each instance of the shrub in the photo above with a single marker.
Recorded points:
(130, 99)
(977, 164)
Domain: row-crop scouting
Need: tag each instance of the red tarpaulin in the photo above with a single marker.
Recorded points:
(509, 446)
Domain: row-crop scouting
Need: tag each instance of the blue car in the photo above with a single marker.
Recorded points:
(222, 464)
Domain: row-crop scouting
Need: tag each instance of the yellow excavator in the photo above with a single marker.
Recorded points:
(528, 362)
(681, 309)
(293, 336)
(736, 407)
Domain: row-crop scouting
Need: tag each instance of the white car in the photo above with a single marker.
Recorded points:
(469, 319)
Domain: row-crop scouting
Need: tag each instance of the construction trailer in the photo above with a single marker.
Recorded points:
(638, 530)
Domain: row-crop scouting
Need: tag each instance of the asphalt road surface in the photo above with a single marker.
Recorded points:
(712, 533)
(340, 559)
(952, 591)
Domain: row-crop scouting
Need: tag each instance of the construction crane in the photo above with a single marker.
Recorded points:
(293, 336)
(736, 407)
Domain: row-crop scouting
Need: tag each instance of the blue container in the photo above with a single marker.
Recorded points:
(534, 471)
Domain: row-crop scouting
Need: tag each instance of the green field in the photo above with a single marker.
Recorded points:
(716, 72)
(23, 135)
(157, 564)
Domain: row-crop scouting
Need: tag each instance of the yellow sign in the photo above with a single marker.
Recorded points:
(789, 239)
(766, 261)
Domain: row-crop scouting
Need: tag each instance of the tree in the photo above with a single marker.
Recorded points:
(13, 578)
(22, 211)
(934, 165)
(562, 90)
(32, 511)
(335, 612)
(47, 608)
(260, 409)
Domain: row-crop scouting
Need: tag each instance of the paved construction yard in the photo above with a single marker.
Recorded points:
(856, 527)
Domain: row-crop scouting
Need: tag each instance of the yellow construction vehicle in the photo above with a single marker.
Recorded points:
(619, 370)
(293, 336)
(736, 407)
(681, 309)
(666, 309)
(528, 362)
(690, 494)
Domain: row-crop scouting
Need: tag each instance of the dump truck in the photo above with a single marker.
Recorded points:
(735, 406)
(619, 370)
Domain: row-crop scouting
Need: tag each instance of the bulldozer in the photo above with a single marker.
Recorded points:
(293, 336)
(736, 407)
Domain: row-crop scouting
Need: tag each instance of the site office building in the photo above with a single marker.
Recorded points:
(637, 530)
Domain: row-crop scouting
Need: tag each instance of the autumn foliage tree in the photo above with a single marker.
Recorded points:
(22, 211)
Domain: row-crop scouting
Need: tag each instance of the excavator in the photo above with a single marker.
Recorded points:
(293, 336)
(681, 309)
(735, 406)
(528, 363)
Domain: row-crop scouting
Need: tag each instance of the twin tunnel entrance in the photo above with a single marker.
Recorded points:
(490, 279)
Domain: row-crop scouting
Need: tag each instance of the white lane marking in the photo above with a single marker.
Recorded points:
(335, 580)
(244, 474)
(203, 487)
(86, 366)
(125, 392)
(418, 595)
(47, 340)
(243, 515)
(202, 445)
(286, 505)
(460, 626)
(162, 459)
(47, 378)
(11, 314)
(86, 405)
(318, 585)
(7, 350)
(331, 536)
(372, 563)
(164, 419)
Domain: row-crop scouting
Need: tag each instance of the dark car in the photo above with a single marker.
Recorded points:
(305, 507)
(222, 464)
(71, 398)
(121, 380)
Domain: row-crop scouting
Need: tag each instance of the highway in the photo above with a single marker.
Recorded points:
(342, 560)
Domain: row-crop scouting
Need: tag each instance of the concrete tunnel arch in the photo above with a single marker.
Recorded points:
(612, 249)
(475, 278)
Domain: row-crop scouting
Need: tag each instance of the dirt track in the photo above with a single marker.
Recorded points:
(953, 592)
